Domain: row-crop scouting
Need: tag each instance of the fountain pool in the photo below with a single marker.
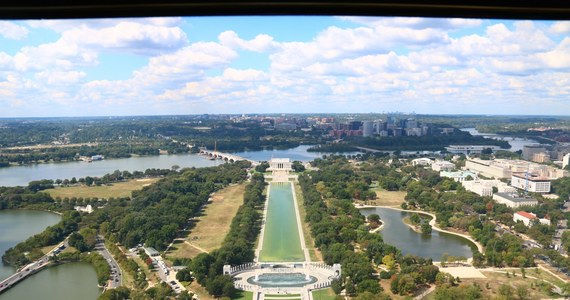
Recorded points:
(269, 280)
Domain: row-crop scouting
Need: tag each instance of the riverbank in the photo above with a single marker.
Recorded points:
(432, 223)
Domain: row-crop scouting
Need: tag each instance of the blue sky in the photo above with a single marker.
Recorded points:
(213, 65)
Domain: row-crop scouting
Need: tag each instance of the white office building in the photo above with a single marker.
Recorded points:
(470, 149)
(442, 165)
(422, 162)
(531, 183)
(514, 200)
(485, 187)
(459, 176)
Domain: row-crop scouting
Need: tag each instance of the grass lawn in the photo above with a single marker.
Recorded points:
(387, 198)
(314, 253)
(47, 249)
(213, 224)
(324, 294)
(243, 295)
(282, 295)
(116, 190)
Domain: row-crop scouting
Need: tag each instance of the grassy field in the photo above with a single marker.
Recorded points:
(116, 190)
(314, 253)
(243, 295)
(386, 198)
(324, 294)
(213, 225)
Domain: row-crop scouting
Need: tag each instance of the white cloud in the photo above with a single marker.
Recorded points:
(244, 75)
(559, 57)
(261, 43)
(132, 37)
(60, 77)
(561, 27)
(415, 22)
(65, 25)
(11, 30)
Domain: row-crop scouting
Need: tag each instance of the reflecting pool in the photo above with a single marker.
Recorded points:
(269, 280)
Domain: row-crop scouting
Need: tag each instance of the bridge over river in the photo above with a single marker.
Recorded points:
(31, 268)
(226, 156)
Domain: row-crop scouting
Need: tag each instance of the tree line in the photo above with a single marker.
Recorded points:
(238, 245)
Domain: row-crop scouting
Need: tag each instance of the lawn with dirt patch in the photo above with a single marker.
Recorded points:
(535, 288)
(213, 225)
(388, 198)
(115, 190)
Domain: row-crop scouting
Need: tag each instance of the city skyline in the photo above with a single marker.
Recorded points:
(179, 66)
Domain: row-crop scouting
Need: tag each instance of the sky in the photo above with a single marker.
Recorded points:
(198, 65)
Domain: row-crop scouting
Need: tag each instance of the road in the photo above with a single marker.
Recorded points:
(31, 268)
(116, 279)
(169, 278)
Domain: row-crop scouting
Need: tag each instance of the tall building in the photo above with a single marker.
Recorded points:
(367, 128)
(354, 125)
(541, 157)
(566, 160)
(529, 151)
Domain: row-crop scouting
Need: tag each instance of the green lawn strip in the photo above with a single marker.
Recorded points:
(243, 295)
(282, 295)
(324, 294)
(309, 242)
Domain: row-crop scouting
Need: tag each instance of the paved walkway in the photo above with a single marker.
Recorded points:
(263, 221)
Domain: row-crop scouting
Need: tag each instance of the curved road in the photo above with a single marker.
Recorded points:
(116, 279)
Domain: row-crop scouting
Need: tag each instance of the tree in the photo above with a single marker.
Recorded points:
(298, 166)
(262, 167)
(336, 286)
(350, 288)
(426, 228)
(506, 291)
(415, 219)
(522, 292)
(389, 261)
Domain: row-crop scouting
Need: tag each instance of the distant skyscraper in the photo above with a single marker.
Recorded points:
(354, 125)
(367, 128)
(529, 151)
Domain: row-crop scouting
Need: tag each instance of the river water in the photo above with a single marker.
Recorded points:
(397, 233)
(67, 281)
(21, 175)
(16, 226)
(515, 142)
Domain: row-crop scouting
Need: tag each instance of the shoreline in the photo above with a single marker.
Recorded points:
(431, 222)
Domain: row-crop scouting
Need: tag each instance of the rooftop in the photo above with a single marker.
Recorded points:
(280, 160)
(526, 214)
(515, 197)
